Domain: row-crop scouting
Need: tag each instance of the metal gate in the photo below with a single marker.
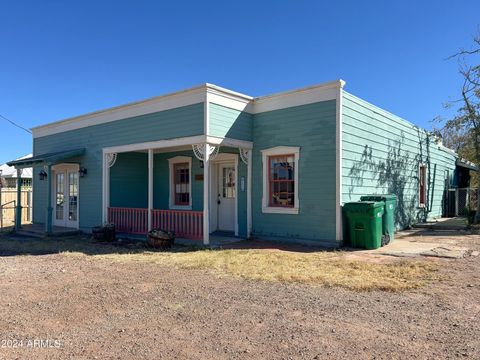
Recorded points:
(460, 201)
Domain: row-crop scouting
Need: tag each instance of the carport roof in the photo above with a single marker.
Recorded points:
(50, 158)
(467, 164)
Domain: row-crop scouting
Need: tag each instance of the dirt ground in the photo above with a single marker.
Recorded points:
(99, 309)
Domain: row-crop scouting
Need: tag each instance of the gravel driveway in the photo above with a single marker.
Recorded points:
(94, 309)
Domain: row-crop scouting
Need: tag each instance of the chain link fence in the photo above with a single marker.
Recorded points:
(460, 201)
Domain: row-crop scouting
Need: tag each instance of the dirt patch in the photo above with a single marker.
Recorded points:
(103, 308)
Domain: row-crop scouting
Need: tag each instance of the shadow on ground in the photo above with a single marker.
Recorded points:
(13, 245)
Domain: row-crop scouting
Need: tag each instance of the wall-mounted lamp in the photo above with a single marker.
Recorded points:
(201, 164)
(82, 172)
(42, 175)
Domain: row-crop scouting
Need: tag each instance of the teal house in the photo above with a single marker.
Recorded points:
(209, 160)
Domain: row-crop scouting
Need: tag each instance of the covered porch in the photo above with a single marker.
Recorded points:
(194, 186)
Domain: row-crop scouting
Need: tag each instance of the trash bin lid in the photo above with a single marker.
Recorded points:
(362, 206)
(379, 197)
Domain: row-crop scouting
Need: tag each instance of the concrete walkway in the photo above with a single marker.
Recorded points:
(426, 242)
(456, 223)
(405, 248)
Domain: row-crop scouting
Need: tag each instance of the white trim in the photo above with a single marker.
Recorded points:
(160, 103)
(215, 89)
(171, 197)
(279, 150)
(66, 168)
(204, 93)
(155, 144)
(229, 101)
(206, 197)
(236, 194)
(338, 164)
(223, 158)
(450, 151)
(176, 142)
(215, 140)
(308, 95)
(150, 188)
(249, 195)
(105, 188)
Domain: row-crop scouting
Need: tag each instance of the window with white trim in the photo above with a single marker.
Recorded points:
(422, 185)
(280, 180)
(180, 182)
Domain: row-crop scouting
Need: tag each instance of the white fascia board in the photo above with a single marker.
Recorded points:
(214, 140)
(170, 101)
(338, 166)
(235, 94)
(179, 142)
(160, 144)
(207, 93)
(308, 95)
(229, 99)
(448, 150)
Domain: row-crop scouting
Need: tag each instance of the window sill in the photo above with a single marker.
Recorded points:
(279, 210)
(180, 207)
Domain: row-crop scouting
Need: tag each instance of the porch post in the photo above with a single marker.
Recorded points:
(249, 195)
(150, 188)
(104, 190)
(48, 220)
(18, 214)
(106, 187)
(206, 200)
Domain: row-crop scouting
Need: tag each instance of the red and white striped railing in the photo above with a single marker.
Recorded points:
(185, 224)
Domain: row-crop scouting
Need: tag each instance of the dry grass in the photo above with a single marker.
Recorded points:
(322, 268)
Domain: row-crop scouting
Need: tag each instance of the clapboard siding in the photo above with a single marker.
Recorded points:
(381, 153)
(161, 177)
(312, 128)
(129, 181)
(231, 123)
(168, 124)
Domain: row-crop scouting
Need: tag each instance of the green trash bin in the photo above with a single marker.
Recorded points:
(364, 222)
(389, 216)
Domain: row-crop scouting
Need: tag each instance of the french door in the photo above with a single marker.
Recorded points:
(65, 196)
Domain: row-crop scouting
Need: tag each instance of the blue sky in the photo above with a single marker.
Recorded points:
(63, 58)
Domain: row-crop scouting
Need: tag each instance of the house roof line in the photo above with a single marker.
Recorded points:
(120, 107)
(196, 90)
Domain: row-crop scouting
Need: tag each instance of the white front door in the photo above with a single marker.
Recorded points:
(226, 197)
(65, 196)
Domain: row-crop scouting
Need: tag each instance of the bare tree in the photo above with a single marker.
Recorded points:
(465, 125)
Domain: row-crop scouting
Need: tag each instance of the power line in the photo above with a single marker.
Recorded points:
(15, 124)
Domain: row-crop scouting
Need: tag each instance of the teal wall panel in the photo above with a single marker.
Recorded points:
(381, 153)
(312, 127)
(129, 181)
(231, 123)
(179, 122)
(161, 178)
